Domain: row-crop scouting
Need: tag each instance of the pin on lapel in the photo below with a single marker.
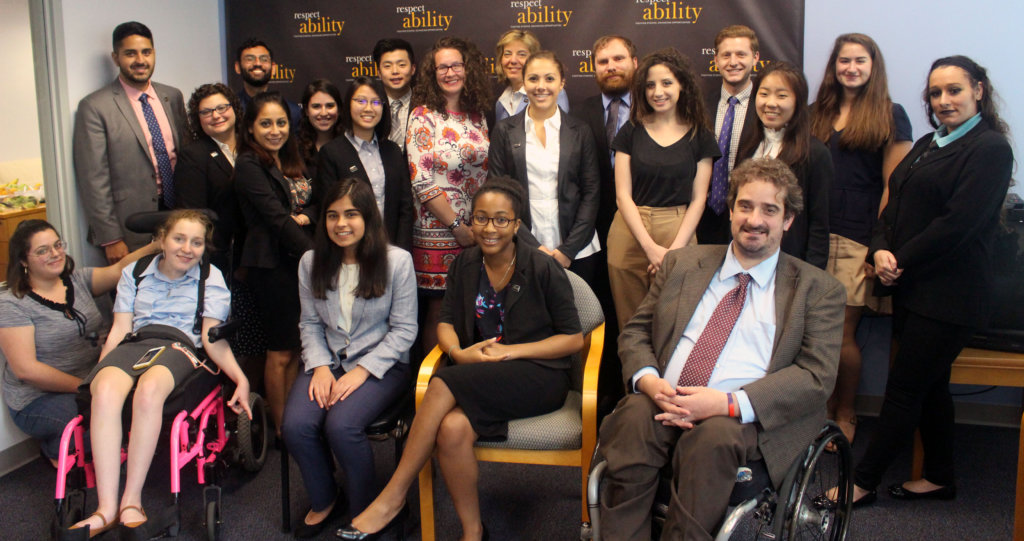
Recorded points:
(352, 169)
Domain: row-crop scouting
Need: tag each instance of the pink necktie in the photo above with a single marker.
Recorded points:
(701, 362)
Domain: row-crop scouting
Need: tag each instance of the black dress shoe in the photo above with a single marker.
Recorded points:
(866, 499)
(899, 492)
(305, 531)
(351, 533)
(821, 501)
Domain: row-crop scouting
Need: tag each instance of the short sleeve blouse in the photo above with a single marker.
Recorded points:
(58, 341)
(663, 175)
(858, 184)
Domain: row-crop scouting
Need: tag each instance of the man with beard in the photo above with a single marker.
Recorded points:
(615, 62)
(255, 63)
(731, 358)
(125, 144)
(736, 55)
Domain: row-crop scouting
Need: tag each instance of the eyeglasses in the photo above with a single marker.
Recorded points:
(457, 67)
(363, 101)
(44, 251)
(220, 110)
(250, 58)
(500, 222)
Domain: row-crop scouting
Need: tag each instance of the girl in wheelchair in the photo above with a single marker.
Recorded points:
(161, 319)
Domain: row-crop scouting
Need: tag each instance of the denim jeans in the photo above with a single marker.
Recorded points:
(45, 418)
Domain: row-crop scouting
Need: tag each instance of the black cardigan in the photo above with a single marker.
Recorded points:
(272, 233)
(539, 301)
(941, 221)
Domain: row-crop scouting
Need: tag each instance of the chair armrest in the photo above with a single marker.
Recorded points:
(593, 347)
(223, 330)
(429, 366)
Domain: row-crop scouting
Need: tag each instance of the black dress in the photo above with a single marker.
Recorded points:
(536, 304)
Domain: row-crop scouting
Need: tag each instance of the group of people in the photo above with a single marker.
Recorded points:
(735, 240)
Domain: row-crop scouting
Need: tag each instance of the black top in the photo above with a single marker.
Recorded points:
(263, 194)
(941, 221)
(858, 184)
(663, 175)
(203, 179)
(539, 300)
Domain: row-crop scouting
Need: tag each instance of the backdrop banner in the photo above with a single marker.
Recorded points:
(329, 39)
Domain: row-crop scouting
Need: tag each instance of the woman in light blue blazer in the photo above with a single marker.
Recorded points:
(358, 320)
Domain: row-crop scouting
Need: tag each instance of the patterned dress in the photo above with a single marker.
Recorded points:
(447, 157)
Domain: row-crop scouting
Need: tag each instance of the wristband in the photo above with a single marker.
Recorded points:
(455, 223)
(732, 405)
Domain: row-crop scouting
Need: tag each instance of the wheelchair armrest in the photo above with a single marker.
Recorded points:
(224, 330)
(429, 366)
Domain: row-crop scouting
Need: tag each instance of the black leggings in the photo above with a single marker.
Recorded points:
(917, 396)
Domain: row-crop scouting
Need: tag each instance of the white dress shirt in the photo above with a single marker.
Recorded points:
(747, 352)
(348, 279)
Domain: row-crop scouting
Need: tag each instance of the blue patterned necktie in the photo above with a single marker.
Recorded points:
(163, 160)
(720, 172)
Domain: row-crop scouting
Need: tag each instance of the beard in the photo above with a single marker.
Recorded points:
(130, 75)
(252, 81)
(616, 83)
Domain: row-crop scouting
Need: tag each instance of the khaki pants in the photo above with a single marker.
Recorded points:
(627, 262)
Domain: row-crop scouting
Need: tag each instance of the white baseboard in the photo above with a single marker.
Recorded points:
(18, 455)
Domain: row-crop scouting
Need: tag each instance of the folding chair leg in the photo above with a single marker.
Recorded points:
(286, 506)
(427, 501)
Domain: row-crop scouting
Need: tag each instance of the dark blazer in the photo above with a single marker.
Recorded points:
(272, 232)
(591, 112)
(113, 168)
(578, 181)
(339, 159)
(715, 228)
(807, 238)
(204, 179)
(790, 399)
(941, 221)
(539, 302)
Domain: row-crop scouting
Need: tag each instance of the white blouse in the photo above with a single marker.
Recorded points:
(348, 279)
(771, 145)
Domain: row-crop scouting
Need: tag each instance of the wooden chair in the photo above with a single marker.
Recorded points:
(565, 437)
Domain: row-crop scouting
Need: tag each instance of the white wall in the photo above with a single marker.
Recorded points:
(912, 34)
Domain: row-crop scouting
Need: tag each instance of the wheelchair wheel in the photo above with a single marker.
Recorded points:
(253, 436)
(799, 516)
(212, 521)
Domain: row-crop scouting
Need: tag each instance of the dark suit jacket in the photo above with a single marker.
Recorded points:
(807, 238)
(272, 232)
(941, 221)
(204, 179)
(790, 399)
(339, 159)
(113, 168)
(715, 228)
(578, 182)
(539, 302)
(591, 112)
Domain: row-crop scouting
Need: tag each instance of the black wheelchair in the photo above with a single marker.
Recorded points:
(797, 510)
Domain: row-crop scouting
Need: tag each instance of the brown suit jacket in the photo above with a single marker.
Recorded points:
(790, 399)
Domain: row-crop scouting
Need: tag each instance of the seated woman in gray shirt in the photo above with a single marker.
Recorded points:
(49, 329)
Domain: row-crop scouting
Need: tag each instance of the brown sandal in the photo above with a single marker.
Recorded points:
(133, 524)
(86, 532)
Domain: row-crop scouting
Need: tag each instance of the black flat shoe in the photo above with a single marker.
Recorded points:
(821, 501)
(351, 533)
(866, 499)
(899, 492)
(305, 531)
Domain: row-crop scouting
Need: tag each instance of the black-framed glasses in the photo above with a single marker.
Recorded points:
(45, 251)
(501, 222)
(220, 110)
(363, 101)
(457, 67)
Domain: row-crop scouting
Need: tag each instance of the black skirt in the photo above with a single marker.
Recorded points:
(492, 394)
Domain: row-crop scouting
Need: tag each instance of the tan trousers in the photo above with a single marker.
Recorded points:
(627, 262)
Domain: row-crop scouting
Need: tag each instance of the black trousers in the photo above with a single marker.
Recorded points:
(917, 396)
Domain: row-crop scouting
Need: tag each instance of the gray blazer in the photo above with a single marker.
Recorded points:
(113, 167)
(790, 399)
(579, 181)
(382, 329)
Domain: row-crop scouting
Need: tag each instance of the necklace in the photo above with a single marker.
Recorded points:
(508, 269)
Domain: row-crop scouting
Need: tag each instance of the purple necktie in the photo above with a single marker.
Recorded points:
(163, 160)
(704, 355)
(611, 126)
(720, 172)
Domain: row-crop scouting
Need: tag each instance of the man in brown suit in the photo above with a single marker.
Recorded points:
(765, 395)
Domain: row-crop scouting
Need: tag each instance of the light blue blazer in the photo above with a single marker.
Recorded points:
(382, 329)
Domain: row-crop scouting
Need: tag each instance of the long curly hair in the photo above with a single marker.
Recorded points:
(475, 98)
(690, 106)
(870, 124)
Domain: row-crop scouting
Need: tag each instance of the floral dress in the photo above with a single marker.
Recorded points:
(447, 157)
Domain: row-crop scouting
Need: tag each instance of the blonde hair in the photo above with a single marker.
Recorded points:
(525, 36)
